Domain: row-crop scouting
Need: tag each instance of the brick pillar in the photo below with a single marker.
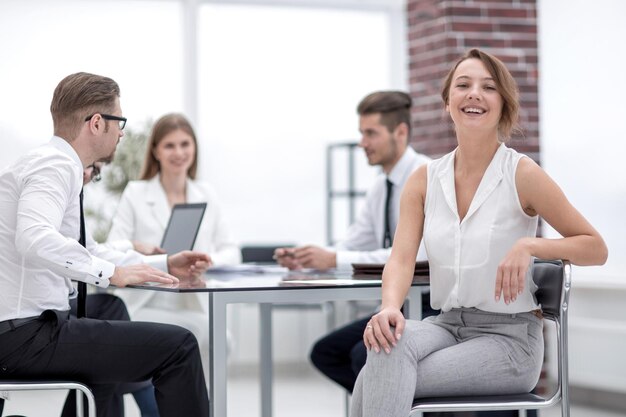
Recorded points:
(439, 32)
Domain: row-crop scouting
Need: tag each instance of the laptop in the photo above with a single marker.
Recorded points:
(182, 227)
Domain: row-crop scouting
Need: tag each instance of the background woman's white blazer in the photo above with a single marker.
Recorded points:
(142, 215)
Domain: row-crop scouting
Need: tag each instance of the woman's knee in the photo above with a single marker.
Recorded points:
(402, 352)
(418, 340)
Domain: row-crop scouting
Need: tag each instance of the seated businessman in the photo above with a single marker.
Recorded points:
(385, 126)
(44, 246)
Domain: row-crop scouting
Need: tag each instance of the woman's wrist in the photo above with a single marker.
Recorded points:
(527, 245)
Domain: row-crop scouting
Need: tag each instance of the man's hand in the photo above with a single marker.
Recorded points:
(138, 274)
(306, 257)
(146, 249)
(315, 257)
(188, 265)
(285, 257)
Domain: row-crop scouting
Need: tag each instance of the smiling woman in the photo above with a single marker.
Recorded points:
(497, 86)
(477, 209)
(168, 178)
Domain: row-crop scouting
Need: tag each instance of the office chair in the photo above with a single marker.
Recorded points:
(261, 254)
(554, 280)
(34, 385)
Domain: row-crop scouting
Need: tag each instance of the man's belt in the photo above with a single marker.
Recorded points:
(8, 325)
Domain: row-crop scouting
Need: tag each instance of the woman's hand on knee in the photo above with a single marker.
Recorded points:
(384, 330)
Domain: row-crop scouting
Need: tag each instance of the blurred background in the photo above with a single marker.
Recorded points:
(271, 84)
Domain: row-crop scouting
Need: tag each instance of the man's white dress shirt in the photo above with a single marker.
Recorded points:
(364, 239)
(39, 230)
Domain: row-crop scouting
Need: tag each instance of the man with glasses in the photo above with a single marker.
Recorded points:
(44, 245)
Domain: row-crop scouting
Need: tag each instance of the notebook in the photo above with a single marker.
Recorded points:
(366, 271)
(182, 227)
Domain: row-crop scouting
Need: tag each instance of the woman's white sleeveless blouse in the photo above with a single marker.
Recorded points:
(464, 255)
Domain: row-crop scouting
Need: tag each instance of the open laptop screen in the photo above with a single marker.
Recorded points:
(183, 227)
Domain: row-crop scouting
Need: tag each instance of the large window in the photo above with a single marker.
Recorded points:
(136, 43)
(582, 113)
(277, 84)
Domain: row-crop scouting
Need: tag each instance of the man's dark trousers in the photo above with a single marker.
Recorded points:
(101, 353)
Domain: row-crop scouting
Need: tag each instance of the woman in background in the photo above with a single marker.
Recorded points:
(168, 178)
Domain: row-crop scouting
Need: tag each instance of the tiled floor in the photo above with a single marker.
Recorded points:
(300, 393)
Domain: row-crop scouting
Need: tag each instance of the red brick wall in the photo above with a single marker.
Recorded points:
(439, 32)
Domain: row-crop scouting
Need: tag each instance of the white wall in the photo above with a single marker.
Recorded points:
(583, 107)
(41, 42)
(583, 142)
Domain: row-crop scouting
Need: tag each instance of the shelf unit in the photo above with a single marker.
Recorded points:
(349, 193)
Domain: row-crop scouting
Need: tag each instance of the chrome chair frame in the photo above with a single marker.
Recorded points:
(553, 279)
(25, 385)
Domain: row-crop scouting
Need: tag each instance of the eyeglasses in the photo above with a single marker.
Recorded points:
(121, 120)
(95, 173)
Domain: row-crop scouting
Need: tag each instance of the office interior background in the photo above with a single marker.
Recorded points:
(269, 84)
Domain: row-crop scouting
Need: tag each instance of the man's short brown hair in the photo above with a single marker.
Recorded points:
(76, 97)
(394, 108)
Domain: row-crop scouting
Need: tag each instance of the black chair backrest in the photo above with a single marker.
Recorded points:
(261, 253)
(548, 275)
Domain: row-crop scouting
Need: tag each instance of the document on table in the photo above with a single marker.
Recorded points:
(248, 268)
(329, 281)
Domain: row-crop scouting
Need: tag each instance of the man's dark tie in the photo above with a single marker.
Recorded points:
(81, 301)
(387, 240)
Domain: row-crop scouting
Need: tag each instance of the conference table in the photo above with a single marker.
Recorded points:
(265, 286)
